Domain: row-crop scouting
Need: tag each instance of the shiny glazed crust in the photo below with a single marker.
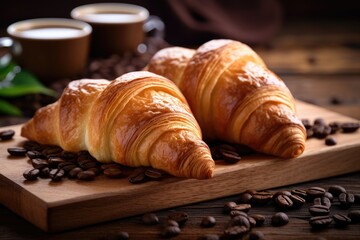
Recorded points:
(139, 119)
(234, 97)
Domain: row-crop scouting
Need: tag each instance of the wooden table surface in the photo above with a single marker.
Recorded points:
(321, 65)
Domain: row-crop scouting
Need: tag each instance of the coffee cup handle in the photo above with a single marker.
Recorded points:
(154, 27)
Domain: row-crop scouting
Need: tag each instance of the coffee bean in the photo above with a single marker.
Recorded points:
(346, 200)
(109, 165)
(17, 151)
(180, 217)
(209, 237)
(87, 163)
(230, 157)
(322, 201)
(299, 192)
(315, 192)
(32, 146)
(55, 161)
(150, 219)
(240, 221)
(256, 235)
(330, 141)
(341, 220)
(44, 172)
(119, 236)
(335, 126)
(235, 213)
(309, 133)
(67, 166)
(321, 131)
(57, 174)
(354, 215)
(252, 222)
(241, 207)
(245, 197)
(279, 219)
(170, 222)
(286, 193)
(306, 123)
(208, 221)
(39, 163)
(298, 201)
(260, 219)
(319, 210)
(170, 231)
(112, 172)
(235, 232)
(154, 174)
(52, 150)
(336, 190)
(228, 207)
(261, 197)
(95, 170)
(7, 135)
(137, 176)
(283, 202)
(319, 121)
(320, 221)
(69, 156)
(35, 154)
(349, 127)
(329, 196)
(86, 175)
(31, 174)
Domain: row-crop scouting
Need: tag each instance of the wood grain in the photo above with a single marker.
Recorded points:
(70, 204)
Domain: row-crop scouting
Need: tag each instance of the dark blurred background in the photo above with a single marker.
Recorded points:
(190, 22)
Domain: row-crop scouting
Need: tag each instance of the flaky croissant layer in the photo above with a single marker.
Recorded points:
(234, 97)
(139, 119)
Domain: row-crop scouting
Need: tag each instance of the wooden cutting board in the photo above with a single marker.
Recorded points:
(70, 203)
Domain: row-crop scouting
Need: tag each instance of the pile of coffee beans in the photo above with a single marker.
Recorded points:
(321, 130)
(54, 163)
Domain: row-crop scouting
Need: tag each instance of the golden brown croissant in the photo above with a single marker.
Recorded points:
(139, 119)
(234, 97)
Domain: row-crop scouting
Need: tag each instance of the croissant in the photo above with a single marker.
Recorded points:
(234, 97)
(139, 119)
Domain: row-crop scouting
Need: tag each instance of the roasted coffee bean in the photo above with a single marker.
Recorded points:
(349, 127)
(283, 202)
(320, 222)
(31, 174)
(245, 197)
(235, 213)
(7, 134)
(341, 220)
(86, 175)
(227, 148)
(150, 219)
(35, 154)
(180, 217)
(39, 163)
(309, 133)
(260, 219)
(315, 192)
(137, 176)
(329, 196)
(252, 222)
(261, 197)
(322, 201)
(55, 161)
(86, 164)
(44, 172)
(32, 146)
(354, 215)
(251, 191)
(336, 190)
(17, 151)
(300, 192)
(240, 221)
(279, 219)
(112, 172)
(241, 207)
(69, 156)
(228, 207)
(119, 236)
(330, 141)
(109, 165)
(52, 150)
(319, 210)
(321, 131)
(209, 237)
(170, 231)
(95, 170)
(230, 157)
(170, 222)
(286, 193)
(319, 121)
(346, 200)
(208, 221)
(297, 201)
(154, 173)
(67, 166)
(335, 126)
(57, 174)
(235, 232)
(256, 235)
(306, 123)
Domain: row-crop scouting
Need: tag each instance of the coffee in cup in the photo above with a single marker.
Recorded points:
(50, 48)
(117, 27)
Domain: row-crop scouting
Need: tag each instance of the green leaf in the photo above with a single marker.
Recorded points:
(9, 109)
(19, 82)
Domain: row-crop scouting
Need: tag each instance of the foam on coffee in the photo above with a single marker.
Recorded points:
(50, 33)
